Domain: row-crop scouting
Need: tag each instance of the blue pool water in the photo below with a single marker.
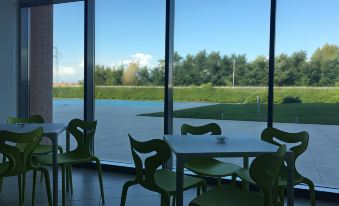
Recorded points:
(109, 102)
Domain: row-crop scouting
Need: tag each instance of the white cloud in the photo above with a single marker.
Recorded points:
(65, 71)
(140, 58)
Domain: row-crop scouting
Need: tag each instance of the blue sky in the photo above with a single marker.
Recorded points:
(133, 30)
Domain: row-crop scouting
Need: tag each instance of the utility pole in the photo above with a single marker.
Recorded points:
(233, 72)
(56, 63)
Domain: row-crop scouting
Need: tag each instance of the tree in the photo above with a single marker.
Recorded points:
(130, 74)
(157, 75)
(326, 60)
(143, 76)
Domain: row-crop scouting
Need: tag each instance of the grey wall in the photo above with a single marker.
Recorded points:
(9, 55)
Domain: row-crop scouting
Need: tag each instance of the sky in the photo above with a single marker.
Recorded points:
(134, 30)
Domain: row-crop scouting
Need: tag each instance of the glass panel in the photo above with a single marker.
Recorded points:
(221, 65)
(306, 79)
(129, 74)
(68, 63)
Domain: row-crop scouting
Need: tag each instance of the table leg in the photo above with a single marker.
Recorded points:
(55, 169)
(246, 166)
(180, 181)
(290, 178)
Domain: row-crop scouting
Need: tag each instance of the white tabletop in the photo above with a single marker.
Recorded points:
(48, 128)
(206, 145)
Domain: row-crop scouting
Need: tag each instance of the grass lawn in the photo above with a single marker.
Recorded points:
(288, 113)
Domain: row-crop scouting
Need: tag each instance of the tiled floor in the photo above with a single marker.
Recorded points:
(87, 193)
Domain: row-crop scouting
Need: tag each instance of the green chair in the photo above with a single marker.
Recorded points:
(40, 149)
(263, 170)
(19, 161)
(207, 166)
(83, 132)
(301, 140)
(150, 177)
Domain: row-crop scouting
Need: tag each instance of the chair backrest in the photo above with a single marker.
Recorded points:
(145, 173)
(301, 139)
(18, 162)
(83, 132)
(212, 128)
(31, 119)
(264, 171)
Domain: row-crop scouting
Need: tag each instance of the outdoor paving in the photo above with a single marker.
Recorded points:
(319, 163)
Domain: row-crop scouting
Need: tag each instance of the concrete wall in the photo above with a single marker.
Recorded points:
(9, 56)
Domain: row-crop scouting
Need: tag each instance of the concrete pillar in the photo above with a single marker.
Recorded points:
(41, 62)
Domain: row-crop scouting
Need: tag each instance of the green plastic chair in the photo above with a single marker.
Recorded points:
(83, 132)
(207, 166)
(19, 161)
(263, 170)
(40, 149)
(150, 177)
(301, 139)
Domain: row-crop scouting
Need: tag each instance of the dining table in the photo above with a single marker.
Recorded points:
(246, 146)
(50, 130)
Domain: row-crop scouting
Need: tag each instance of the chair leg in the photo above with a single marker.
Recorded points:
(281, 194)
(23, 186)
(124, 191)
(3, 160)
(173, 203)
(20, 189)
(312, 191)
(67, 178)
(70, 179)
(198, 190)
(165, 200)
(41, 176)
(48, 185)
(1, 178)
(63, 166)
(34, 185)
(204, 186)
(97, 161)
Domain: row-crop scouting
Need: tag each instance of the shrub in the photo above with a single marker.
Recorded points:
(291, 99)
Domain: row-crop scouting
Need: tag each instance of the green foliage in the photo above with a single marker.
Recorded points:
(290, 99)
(322, 69)
(206, 93)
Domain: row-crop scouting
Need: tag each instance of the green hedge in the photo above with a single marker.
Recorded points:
(207, 94)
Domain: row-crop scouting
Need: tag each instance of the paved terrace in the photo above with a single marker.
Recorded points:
(320, 162)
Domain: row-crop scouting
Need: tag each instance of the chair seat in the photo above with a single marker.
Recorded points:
(166, 179)
(244, 175)
(65, 158)
(228, 196)
(40, 149)
(211, 167)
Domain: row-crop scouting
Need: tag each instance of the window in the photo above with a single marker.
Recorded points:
(306, 80)
(221, 65)
(129, 74)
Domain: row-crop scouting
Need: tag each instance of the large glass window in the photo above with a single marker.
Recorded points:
(306, 83)
(68, 62)
(220, 69)
(129, 74)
